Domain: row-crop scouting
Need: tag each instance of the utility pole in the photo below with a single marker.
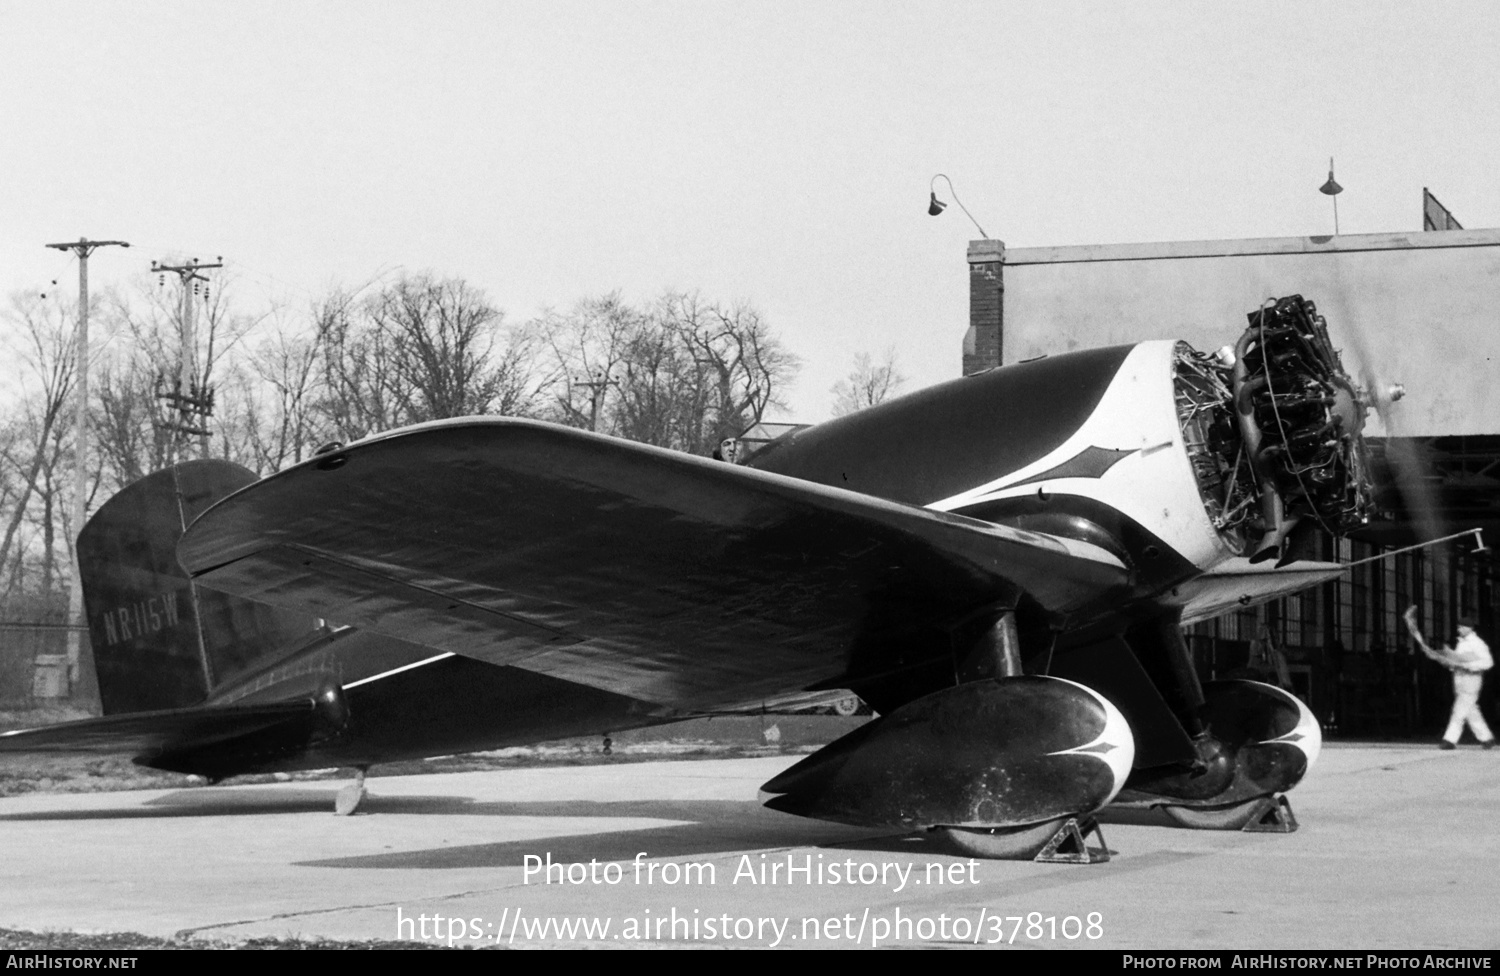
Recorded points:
(83, 247)
(194, 401)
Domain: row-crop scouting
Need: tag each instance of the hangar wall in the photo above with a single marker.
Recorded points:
(1420, 309)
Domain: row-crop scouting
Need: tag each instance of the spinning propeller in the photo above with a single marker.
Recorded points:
(1406, 467)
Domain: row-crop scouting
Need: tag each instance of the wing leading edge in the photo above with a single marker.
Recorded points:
(643, 571)
(1238, 583)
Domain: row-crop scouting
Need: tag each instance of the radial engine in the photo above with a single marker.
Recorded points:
(1272, 428)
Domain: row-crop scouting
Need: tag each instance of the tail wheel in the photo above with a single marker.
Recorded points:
(847, 706)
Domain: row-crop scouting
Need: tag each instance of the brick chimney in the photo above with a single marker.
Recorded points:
(983, 342)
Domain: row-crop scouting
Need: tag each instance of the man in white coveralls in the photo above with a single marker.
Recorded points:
(1469, 658)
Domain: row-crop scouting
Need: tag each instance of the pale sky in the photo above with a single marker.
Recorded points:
(774, 152)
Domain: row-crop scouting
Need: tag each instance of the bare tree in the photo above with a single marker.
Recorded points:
(45, 349)
(522, 376)
(222, 331)
(442, 336)
(284, 426)
(358, 393)
(682, 373)
(239, 427)
(128, 418)
(662, 394)
(419, 349)
(49, 489)
(868, 383)
(742, 364)
(589, 345)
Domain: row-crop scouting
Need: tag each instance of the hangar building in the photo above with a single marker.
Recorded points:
(1418, 309)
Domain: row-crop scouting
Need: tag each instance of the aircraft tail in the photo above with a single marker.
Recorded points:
(159, 641)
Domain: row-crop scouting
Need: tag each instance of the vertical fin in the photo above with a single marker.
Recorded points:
(159, 641)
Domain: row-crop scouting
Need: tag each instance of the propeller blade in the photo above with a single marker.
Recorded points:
(1406, 464)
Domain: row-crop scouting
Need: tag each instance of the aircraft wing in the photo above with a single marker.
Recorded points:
(643, 571)
(1239, 583)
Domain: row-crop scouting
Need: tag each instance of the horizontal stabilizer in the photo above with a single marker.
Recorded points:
(145, 734)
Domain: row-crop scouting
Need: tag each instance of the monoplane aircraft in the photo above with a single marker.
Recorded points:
(1000, 565)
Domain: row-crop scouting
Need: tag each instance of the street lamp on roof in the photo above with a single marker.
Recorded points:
(1332, 189)
(936, 206)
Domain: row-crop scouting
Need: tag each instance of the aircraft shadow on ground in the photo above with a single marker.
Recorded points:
(701, 827)
(704, 827)
(248, 801)
(1136, 816)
